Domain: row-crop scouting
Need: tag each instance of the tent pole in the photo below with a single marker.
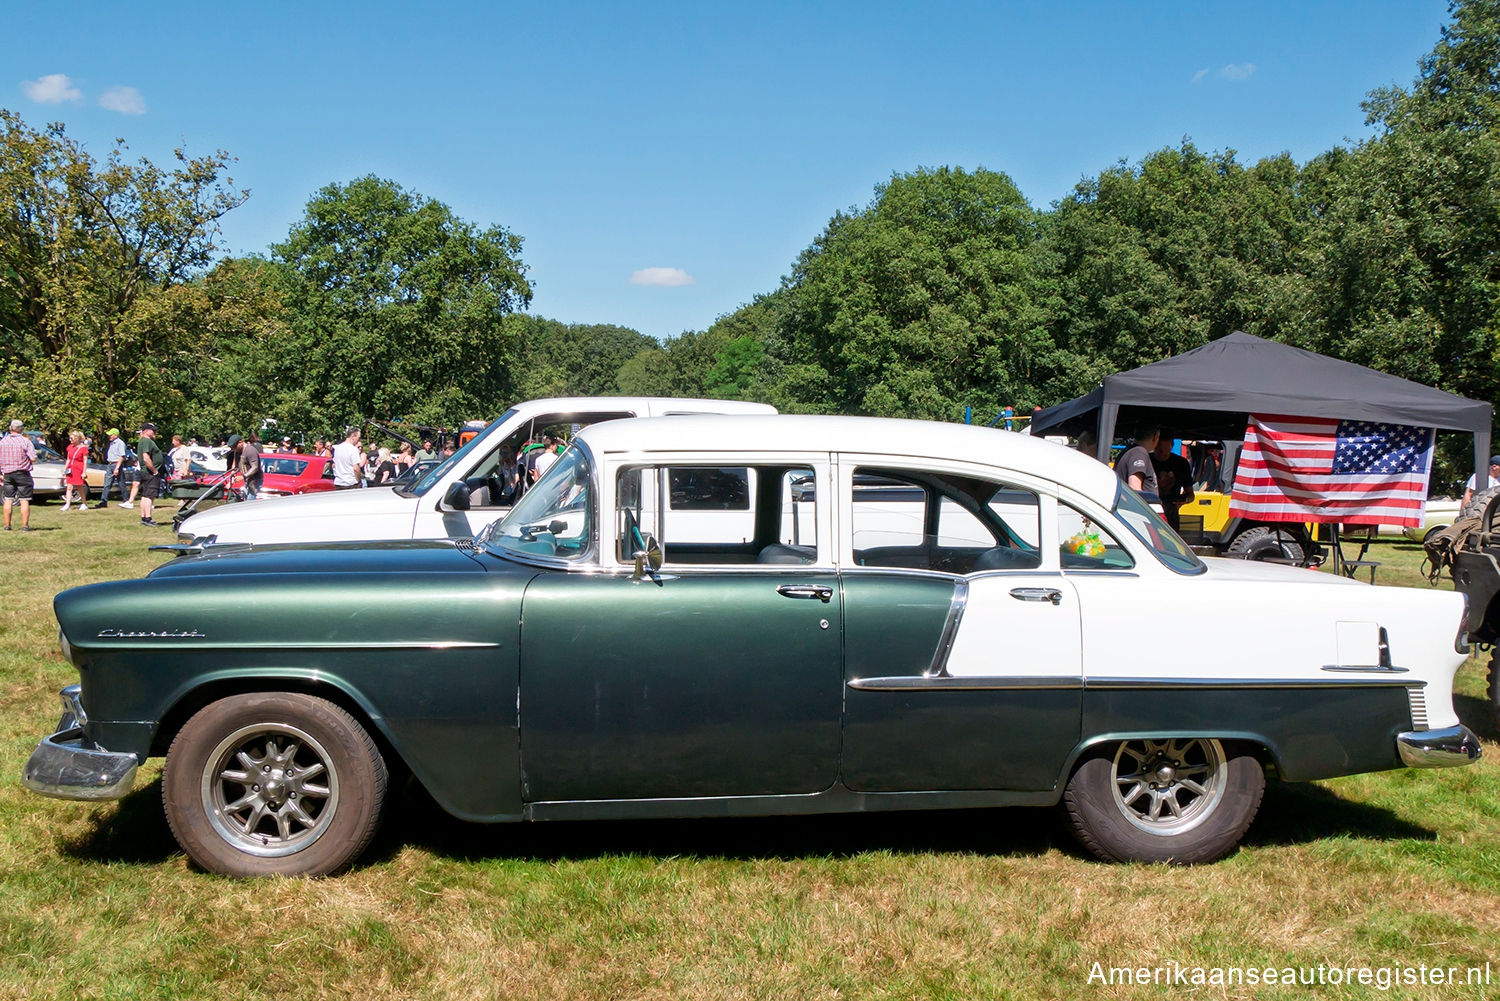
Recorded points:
(1108, 414)
(1481, 460)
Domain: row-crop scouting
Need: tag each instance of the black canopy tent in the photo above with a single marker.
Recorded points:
(1209, 392)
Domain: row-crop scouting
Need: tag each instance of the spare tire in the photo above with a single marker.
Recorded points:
(1479, 502)
(1262, 543)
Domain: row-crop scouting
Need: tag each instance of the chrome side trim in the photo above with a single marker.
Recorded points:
(1453, 745)
(948, 683)
(63, 768)
(1418, 700)
(1364, 668)
(1125, 684)
(960, 601)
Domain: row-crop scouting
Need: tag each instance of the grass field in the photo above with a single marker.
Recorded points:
(1395, 869)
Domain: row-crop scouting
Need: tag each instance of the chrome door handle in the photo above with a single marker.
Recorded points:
(822, 592)
(1051, 594)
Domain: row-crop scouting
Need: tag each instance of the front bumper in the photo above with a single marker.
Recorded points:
(1452, 745)
(66, 766)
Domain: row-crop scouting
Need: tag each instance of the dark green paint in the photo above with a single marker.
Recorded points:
(708, 695)
(320, 616)
(1311, 733)
(706, 685)
(896, 741)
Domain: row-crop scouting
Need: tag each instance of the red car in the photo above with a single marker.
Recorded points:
(285, 473)
(282, 473)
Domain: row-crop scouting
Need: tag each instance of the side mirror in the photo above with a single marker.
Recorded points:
(457, 496)
(648, 560)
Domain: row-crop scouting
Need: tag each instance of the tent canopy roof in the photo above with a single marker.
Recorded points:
(1208, 391)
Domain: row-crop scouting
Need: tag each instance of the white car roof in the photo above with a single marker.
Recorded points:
(878, 435)
(658, 404)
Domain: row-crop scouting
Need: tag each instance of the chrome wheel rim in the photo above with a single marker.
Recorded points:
(270, 789)
(1168, 787)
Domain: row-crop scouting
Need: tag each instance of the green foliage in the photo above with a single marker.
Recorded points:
(91, 257)
(577, 359)
(927, 300)
(396, 309)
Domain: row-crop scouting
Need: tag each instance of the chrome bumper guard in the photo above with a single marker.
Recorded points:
(62, 767)
(1452, 745)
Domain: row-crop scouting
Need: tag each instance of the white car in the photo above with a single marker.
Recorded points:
(454, 500)
(737, 616)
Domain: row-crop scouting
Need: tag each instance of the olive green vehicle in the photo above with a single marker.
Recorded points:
(716, 616)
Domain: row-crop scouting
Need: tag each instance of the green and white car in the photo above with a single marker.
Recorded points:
(714, 616)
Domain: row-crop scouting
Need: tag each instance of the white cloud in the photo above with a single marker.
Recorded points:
(1237, 71)
(54, 88)
(125, 100)
(1199, 75)
(664, 277)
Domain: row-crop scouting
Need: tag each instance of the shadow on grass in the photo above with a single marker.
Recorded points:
(134, 832)
(416, 821)
(1295, 813)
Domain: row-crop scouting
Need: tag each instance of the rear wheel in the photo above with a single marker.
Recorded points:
(1263, 543)
(1494, 690)
(273, 783)
(1173, 800)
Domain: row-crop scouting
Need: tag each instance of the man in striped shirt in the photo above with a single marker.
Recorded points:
(17, 453)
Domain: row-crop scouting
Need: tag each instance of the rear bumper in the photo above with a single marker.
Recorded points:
(68, 766)
(1453, 745)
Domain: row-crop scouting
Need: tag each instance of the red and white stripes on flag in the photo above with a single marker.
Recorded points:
(1322, 470)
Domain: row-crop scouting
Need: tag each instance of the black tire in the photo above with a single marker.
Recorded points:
(1262, 543)
(298, 746)
(1493, 690)
(1479, 502)
(1111, 799)
(1434, 530)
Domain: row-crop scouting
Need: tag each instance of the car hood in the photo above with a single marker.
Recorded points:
(406, 556)
(324, 504)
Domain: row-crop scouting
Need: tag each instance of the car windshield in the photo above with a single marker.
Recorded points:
(1149, 527)
(283, 467)
(431, 478)
(555, 517)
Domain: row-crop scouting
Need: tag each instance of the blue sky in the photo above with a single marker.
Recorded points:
(706, 144)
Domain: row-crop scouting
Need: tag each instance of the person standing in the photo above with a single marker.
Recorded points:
(247, 463)
(348, 463)
(1469, 489)
(425, 452)
(1135, 466)
(75, 472)
(17, 454)
(1174, 480)
(114, 459)
(151, 461)
(385, 469)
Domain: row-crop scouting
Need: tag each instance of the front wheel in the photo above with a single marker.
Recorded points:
(1183, 801)
(273, 783)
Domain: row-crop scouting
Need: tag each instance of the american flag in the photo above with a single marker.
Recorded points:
(1318, 470)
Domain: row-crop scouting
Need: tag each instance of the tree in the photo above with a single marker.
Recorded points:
(398, 308)
(922, 303)
(91, 256)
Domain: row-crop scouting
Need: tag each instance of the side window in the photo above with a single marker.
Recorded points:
(1085, 545)
(717, 515)
(920, 521)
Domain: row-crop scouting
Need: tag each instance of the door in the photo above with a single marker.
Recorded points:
(964, 663)
(722, 677)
